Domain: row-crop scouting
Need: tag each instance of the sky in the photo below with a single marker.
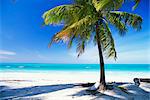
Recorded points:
(24, 40)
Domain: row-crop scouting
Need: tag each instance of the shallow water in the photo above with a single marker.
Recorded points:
(73, 67)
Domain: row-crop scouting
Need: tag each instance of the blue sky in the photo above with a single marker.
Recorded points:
(23, 39)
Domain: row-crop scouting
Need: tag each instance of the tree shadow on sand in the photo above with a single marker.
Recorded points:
(132, 92)
(96, 95)
(8, 94)
(3, 87)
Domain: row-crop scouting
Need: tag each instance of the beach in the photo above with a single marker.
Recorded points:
(64, 85)
(74, 50)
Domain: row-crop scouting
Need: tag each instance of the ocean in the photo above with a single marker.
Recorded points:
(72, 67)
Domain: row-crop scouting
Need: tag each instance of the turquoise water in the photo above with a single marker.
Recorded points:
(72, 67)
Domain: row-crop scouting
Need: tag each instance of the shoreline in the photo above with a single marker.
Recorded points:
(66, 71)
(111, 76)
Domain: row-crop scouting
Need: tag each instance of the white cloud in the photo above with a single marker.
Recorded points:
(5, 52)
(136, 56)
(3, 57)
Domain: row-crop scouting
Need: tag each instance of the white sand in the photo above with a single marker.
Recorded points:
(60, 86)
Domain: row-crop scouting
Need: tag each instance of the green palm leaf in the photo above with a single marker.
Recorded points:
(107, 41)
(61, 14)
(132, 20)
(101, 4)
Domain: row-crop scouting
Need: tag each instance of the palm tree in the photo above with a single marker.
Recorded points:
(88, 21)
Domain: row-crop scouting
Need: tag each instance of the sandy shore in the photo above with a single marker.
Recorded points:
(62, 86)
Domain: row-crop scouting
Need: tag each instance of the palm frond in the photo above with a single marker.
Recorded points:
(132, 20)
(136, 4)
(118, 4)
(72, 38)
(107, 41)
(102, 4)
(81, 48)
(77, 29)
(135, 1)
(117, 22)
(60, 14)
(109, 5)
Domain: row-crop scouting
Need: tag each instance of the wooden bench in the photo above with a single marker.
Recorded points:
(138, 80)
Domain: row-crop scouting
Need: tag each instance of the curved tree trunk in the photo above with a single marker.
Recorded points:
(102, 70)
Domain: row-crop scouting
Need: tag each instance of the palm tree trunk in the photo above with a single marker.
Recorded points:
(102, 70)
